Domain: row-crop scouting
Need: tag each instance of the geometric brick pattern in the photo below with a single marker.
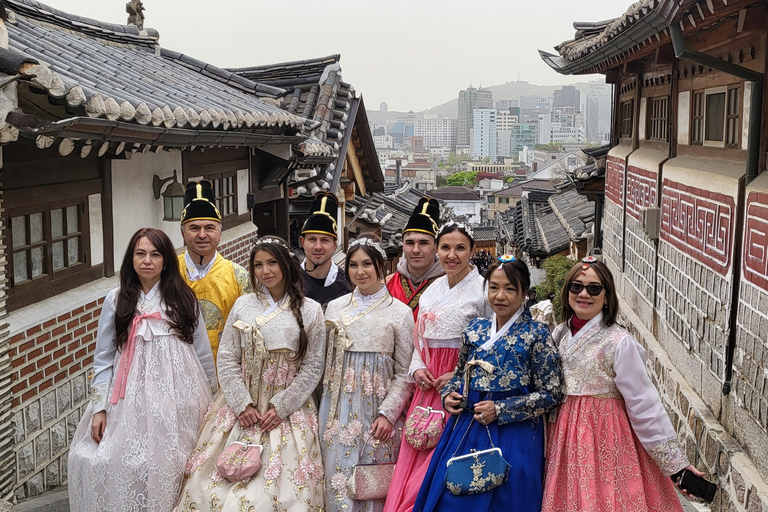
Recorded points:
(751, 360)
(694, 302)
(755, 257)
(640, 259)
(698, 222)
(613, 229)
(641, 190)
(614, 179)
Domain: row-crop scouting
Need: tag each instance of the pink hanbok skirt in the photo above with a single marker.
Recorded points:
(412, 464)
(595, 463)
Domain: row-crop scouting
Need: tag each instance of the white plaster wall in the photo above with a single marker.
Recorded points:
(243, 189)
(745, 115)
(641, 122)
(683, 117)
(133, 203)
(707, 174)
(97, 232)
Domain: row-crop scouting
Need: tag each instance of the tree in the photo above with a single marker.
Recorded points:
(557, 268)
(440, 181)
(462, 179)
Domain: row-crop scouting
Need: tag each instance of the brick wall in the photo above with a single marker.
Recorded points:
(640, 263)
(49, 367)
(613, 213)
(7, 456)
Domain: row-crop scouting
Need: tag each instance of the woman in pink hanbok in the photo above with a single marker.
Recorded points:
(612, 446)
(153, 374)
(445, 310)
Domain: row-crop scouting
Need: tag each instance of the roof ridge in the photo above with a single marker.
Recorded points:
(76, 23)
(328, 59)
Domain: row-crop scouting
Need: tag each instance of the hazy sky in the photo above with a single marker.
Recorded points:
(412, 54)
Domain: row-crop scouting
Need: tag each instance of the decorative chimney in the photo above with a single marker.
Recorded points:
(135, 10)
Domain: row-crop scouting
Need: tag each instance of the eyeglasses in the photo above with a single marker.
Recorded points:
(592, 289)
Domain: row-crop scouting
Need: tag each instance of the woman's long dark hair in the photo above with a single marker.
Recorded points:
(611, 307)
(292, 283)
(180, 301)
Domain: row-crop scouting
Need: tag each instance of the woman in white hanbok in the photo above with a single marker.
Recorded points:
(364, 388)
(270, 361)
(152, 384)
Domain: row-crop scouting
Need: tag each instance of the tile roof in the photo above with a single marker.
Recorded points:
(114, 72)
(455, 194)
(484, 233)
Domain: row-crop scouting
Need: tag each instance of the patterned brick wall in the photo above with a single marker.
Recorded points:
(640, 263)
(49, 364)
(750, 376)
(7, 455)
(613, 212)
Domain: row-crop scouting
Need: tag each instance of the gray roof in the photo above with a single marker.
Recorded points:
(455, 194)
(113, 72)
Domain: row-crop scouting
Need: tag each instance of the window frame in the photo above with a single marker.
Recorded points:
(733, 130)
(50, 282)
(710, 142)
(626, 118)
(232, 219)
(657, 122)
(697, 118)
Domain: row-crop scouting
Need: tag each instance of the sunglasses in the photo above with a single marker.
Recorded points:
(592, 289)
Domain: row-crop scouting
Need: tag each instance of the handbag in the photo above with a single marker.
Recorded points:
(424, 427)
(239, 461)
(477, 471)
(370, 481)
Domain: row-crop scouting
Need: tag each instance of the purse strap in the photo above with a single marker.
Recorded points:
(464, 437)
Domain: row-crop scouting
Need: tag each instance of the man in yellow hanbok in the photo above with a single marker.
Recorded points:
(217, 282)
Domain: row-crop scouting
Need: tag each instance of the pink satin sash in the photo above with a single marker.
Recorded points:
(418, 336)
(121, 380)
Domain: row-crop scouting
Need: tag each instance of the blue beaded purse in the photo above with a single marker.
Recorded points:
(477, 471)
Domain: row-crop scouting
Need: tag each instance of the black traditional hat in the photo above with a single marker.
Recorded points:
(322, 216)
(199, 202)
(425, 217)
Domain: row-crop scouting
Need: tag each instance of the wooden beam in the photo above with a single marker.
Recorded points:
(742, 18)
(354, 163)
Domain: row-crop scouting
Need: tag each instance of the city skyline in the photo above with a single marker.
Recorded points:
(420, 57)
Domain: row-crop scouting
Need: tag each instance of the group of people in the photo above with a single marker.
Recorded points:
(322, 370)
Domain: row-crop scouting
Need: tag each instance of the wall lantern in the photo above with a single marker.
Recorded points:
(173, 196)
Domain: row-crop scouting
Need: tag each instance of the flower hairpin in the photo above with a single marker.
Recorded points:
(586, 262)
(459, 225)
(274, 241)
(505, 258)
(369, 243)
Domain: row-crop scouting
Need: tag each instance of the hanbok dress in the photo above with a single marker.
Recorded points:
(518, 367)
(152, 425)
(444, 313)
(369, 349)
(255, 368)
(612, 446)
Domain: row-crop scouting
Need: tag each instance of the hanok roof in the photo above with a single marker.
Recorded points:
(119, 77)
(484, 233)
(519, 187)
(455, 194)
(642, 29)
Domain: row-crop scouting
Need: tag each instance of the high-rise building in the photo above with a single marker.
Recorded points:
(523, 134)
(383, 107)
(437, 132)
(506, 104)
(484, 133)
(469, 100)
(599, 106)
(567, 96)
(504, 120)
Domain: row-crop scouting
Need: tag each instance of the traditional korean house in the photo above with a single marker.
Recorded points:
(685, 217)
(99, 128)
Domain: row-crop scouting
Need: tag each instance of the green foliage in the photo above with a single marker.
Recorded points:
(557, 268)
(552, 146)
(510, 179)
(440, 181)
(462, 179)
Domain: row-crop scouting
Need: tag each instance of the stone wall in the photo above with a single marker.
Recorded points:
(7, 455)
(50, 361)
(613, 212)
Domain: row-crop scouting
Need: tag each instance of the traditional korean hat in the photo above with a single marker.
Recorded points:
(425, 217)
(199, 202)
(322, 217)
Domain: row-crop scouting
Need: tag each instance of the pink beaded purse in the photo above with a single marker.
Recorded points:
(424, 427)
(240, 460)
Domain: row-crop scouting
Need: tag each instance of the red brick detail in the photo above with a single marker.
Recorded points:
(614, 180)
(698, 222)
(755, 259)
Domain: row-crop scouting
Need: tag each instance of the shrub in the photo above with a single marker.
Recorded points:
(557, 267)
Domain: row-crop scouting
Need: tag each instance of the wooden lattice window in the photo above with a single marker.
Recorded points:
(627, 112)
(658, 109)
(733, 117)
(225, 191)
(697, 118)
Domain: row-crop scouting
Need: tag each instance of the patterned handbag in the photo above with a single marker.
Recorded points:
(424, 427)
(240, 460)
(370, 481)
(476, 472)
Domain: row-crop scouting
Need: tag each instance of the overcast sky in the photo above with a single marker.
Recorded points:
(413, 54)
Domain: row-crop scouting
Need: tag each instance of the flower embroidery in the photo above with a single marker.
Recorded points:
(272, 471)
(195, 461)
(349, 435)
(331, 430)
(225, 419)
(349, 380)
(381, 385)
(339, 484)
(308, 471)
(367, 383)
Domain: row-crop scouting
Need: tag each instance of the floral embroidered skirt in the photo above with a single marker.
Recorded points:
(291, 475)
(139, 464)
(522, 446)
(412, 464)
(366, 378)
(595, 463)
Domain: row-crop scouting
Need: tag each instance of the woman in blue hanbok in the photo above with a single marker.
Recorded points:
(514, 379)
